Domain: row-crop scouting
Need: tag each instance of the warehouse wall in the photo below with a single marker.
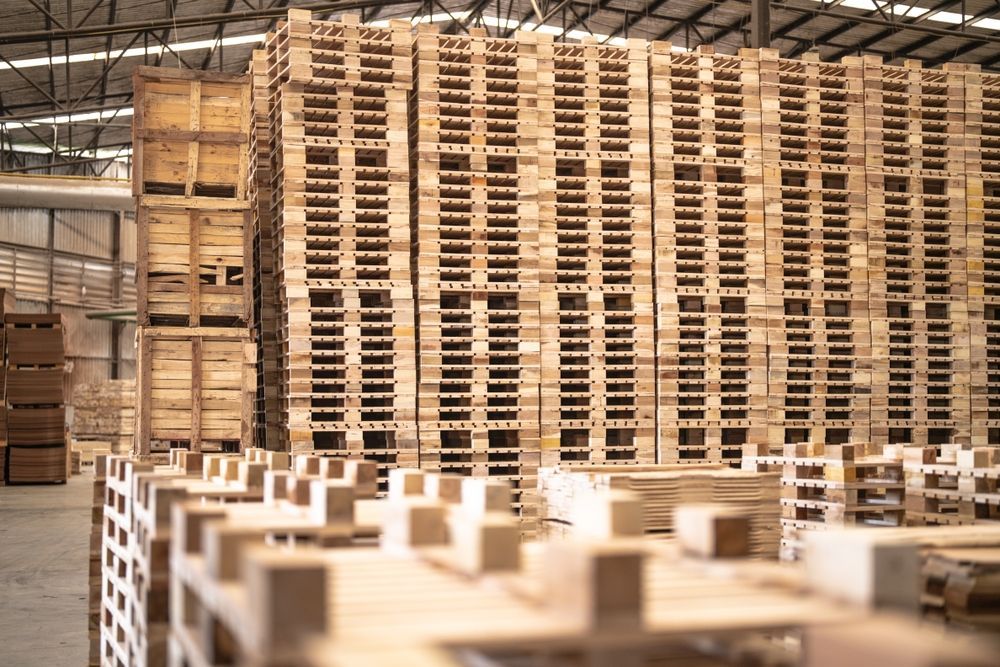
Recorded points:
(72, 262)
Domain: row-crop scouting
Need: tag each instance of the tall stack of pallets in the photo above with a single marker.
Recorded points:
(267, 411)
(595, 265)
(982, 178)
(195, 359)
(37, 450)
(708, 214)
(475, 129)
(817, 254)
(340, 210)
(915, 163)
(7, 305)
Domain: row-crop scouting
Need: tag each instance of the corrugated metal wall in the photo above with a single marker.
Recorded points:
(64, 261)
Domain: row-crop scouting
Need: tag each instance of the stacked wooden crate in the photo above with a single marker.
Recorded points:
(37, 449)
(915, 164)
(475, 129)
(104, 413)
(708, 212)
(598, 400)
(832, 485)
(195, 360)
(267, 410)
(340, 207)
(817, 253)
(953, 487)
(982, 179)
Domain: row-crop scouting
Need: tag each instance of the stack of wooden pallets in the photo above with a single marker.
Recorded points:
(832, 485)
(915, 159)
(37, 449)
(953, 487)
(817, 253)
(708, 210)
(340, 212)
(662, 489)
(195, 361)
(104, 412)
(267, 410)
(595, 265)
(95, 568)
(982, 181)
(7, 305)
(475, 132)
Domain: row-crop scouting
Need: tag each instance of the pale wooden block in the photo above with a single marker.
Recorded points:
(306, 464)
(161, 497)
(364, 476)
(405, 482)
(414, 522)
(608, 514)
(331, 468)
(331, 501)
(446, 487)
(230, 469)
(859, 567)
(187, 519)
(286, 596)
(597, 584)
(482, 494)
(919, 455)
(275, 486)
(278, 461)
(222, 546)
(250, 454)
(487, 543)
(190, 462)
(712, 531)
(251, 475)
(211, 466)
(977, 457)
(298, 489)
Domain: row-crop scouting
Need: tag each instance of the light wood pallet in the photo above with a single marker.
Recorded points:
(565, 491)
(932, 487)
(340, 191)
(832, 485)
(820, 363)
(430, 587)
(105, 411)
(95, 559)
(195, 388)
(982, 105)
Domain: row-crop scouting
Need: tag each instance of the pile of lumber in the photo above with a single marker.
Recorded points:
(36, 422)
(662, 489)
(105, 411)
(195, 363)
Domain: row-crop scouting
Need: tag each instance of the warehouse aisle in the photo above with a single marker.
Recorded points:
(44, 531)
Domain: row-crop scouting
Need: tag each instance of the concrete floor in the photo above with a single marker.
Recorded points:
(44, 538)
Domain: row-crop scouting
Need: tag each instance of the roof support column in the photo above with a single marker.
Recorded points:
(760, 24)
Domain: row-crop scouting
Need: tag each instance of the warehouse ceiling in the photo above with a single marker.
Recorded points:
(78, 108)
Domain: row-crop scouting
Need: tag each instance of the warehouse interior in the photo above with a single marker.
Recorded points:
(504, 333)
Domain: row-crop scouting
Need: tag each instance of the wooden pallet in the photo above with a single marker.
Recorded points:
(195, 386)
(105, 411)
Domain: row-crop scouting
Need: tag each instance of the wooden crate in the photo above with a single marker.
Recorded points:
(195, 389)
(194, 265)
(190, 135)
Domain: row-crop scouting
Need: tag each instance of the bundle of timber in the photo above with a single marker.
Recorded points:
(451, 584)
(190, 139)
(919, 265)
(958, 566)
(708, 204)
(36, 423)
(831, 485)
(336, 99)
(662, 489)
(254, 492)
(957, 486)
(105, 411)
(598, 402)
(818, 330)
